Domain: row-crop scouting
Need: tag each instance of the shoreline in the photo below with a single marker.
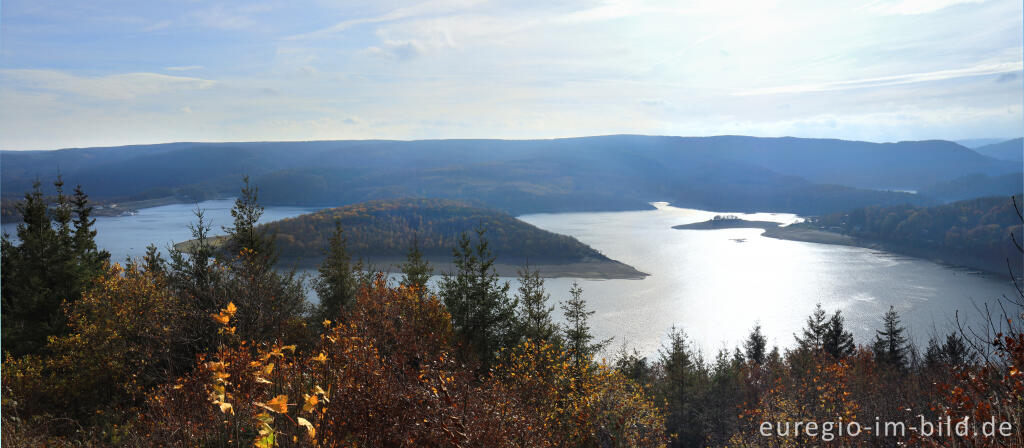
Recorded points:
(595, 270)
(806, 235)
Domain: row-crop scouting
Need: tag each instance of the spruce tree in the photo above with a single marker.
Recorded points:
(836, 341)
(578, 338)
(91, 257)
(534, 313)
(337, 284)
(482, 312)
(756, 346)
(416, 271)
(890, 343)
(245, 232)
(46, 269)
(814, 332)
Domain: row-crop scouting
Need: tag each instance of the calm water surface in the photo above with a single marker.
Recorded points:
(715, 284)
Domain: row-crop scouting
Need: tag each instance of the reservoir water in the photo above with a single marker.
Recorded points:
(714, 284)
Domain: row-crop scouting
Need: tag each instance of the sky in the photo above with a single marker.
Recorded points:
(103, 73)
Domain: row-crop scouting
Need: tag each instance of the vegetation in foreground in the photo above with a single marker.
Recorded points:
(206, 349)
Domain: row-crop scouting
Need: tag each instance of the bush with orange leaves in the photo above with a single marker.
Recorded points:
(993, 392)
(385, 376)
(808, 387)
(119, 344)
(571, 406)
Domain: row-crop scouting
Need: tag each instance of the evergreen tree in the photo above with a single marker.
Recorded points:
(951, 353)
(534, 314)
(51, 266)
(153, 261)
(91, 257)
(268, 301)
(578, 338)
(198, 278)
(482, 312)
(890, 343)
(245, 233)
(679, 387)
(337, 284)
(814, 332)
(416, 271)
(836, 341)
(756, 346)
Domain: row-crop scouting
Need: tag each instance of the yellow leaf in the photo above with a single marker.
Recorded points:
(278, 404)
(221, 318)
(306, 424)
(225, 407)
(311, 401)
(320, 358)
(231, 309)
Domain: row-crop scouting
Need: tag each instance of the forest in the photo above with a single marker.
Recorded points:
(600, 173)
(216, 347)
(387, 228)
(969, 230)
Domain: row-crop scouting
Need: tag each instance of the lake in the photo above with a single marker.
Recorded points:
(714, 284)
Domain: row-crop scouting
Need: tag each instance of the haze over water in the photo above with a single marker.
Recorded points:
(715, 284)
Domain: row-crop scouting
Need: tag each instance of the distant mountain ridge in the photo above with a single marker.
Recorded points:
(615, 172)
(1009, 150)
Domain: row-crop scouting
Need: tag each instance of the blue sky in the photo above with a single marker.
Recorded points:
(103, 73)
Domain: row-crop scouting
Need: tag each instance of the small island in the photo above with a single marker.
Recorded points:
(381, 232)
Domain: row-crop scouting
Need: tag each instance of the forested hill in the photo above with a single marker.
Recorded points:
(616, 172)
(385, 230)
(972, 233)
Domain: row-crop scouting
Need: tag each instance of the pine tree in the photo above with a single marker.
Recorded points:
(416, 271)
(836, 341)
(534, 314)
(91, 257)
(890, 344)
(756, 346)
(814, 332)
(337, 284)
(46, 270)
(578, 338)
(483, 314)
(245, 233)
(153, 261)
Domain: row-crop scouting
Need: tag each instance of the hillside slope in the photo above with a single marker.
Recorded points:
(617, 172)
(383, 231)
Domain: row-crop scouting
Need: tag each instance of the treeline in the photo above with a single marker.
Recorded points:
(387, 228)
(217, 348)
(972, 230)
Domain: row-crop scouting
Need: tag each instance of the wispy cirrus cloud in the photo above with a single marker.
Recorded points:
(183, 68)
(910, 78)
(118, 86)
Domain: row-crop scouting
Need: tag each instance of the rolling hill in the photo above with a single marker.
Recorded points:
(617, 172)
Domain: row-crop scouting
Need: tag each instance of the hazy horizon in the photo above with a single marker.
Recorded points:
(957, 141)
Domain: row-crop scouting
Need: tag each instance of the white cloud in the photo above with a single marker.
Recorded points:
(988, 69)
(183, 68)
(913, 7)
(118, 86)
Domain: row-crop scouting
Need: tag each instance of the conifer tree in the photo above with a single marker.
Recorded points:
(46, 269)
(534, 313)
(337, 284)
(756, 346)
(416, 271)
(836, 341)
(482, 312)
(245, 232)
(890, 343)
(578, 338)
(91, 257)
(814, 332)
